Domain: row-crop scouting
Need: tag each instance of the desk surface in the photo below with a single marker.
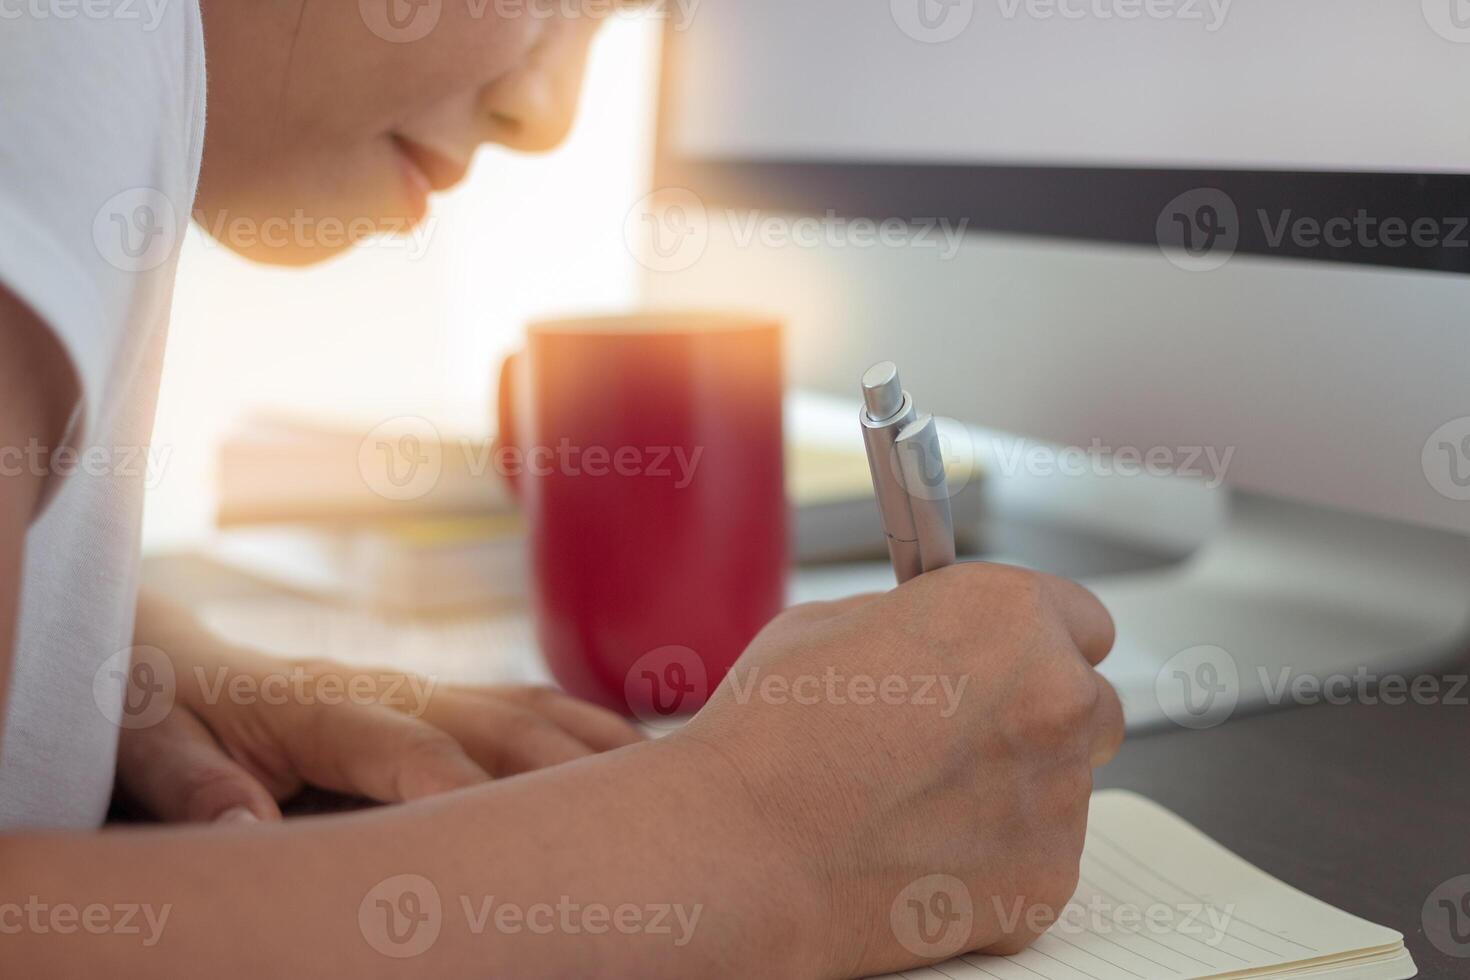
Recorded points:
(1366, 807)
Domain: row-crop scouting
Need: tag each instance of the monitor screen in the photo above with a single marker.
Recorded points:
(1323, 129)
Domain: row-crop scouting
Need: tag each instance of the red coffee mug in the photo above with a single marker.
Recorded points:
(646, 451)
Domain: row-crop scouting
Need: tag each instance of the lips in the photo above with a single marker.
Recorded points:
(440, 172)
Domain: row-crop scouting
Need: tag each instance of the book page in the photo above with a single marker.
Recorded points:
(1158, 899)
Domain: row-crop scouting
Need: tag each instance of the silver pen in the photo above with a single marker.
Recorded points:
(909, 481)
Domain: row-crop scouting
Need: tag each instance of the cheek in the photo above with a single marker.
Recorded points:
(364, 67)
(300, 113)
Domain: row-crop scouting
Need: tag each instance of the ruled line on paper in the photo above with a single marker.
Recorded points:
(1143, 935)
(1096, 956)
(1184, 891)
(1182, 935)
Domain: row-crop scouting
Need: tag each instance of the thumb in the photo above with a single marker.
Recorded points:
(180, 773)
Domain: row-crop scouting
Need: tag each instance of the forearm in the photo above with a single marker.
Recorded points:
(618, 865)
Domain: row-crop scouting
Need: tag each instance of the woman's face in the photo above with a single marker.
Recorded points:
(334, 119)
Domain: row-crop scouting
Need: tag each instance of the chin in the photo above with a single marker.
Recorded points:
(284, 237)
(309, 210)
(291, 256)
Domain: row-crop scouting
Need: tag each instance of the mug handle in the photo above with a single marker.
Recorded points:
(507, 436)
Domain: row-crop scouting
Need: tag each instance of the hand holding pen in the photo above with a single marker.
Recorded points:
(908, 475)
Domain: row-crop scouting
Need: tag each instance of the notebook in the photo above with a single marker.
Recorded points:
(1212, 915)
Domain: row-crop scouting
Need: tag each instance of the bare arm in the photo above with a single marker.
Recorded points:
(616, 865)
(36, 395)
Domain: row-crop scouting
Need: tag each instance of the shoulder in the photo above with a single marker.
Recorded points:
(116, 74)
(101, 140)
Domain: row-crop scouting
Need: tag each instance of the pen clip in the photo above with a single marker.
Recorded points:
(921, 467)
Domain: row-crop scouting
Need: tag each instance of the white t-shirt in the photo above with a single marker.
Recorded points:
(101, 135)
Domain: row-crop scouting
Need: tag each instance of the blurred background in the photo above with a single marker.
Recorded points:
(1096, 266)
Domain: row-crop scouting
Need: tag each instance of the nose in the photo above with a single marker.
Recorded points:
(533, 107)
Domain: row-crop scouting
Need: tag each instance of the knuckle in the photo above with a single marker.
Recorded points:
(424, 743)
(207, 785)
(538, 696)
(1017, 599)
(500, 729)
(535, 734)
(1067, 795)
(1054, 887)
(537, 742)
(1023, 588)
(1053, 708)
(1080, 692)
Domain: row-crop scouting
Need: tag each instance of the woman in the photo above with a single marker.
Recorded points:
(770, 839)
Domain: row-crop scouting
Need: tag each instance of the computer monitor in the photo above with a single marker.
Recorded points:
(1164, 227)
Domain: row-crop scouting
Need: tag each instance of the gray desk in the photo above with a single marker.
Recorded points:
(1364, 806)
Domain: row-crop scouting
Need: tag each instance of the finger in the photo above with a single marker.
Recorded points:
(1010, 945)
(1108, 726)
(1083, 614)
(178, 771)
(376, 752)
(504, 737)
(595, 726)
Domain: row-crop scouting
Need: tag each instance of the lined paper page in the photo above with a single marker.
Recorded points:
(1158, 900)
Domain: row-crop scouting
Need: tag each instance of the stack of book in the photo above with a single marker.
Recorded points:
(296, 507)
